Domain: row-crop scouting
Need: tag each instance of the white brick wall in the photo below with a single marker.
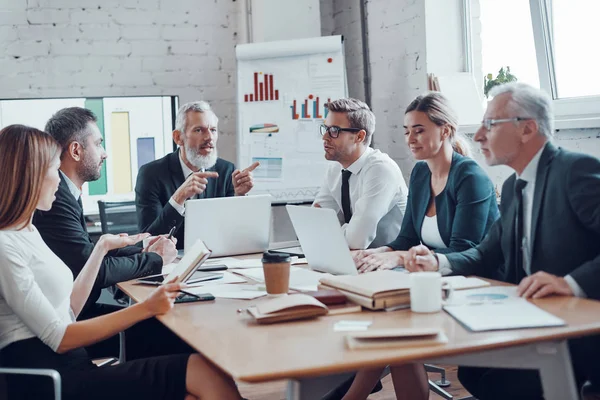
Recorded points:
(61, 48)
(398, 73)
(343, 18)
(396, 41)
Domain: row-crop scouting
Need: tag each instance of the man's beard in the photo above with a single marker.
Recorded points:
(89, 172)
(199, 161)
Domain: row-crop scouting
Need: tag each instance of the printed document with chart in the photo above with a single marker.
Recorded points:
(497, 308)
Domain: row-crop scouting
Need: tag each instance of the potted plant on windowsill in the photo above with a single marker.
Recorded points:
(504, 76)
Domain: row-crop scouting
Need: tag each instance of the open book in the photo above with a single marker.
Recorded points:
(287, 308)
(390, 338)
(192, 259)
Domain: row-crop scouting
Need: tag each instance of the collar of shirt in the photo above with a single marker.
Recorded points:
(357, 165)
(530, 171)
(72, 187)
(184, 168)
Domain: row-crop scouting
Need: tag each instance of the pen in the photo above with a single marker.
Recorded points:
(188, 293)
(171, 232)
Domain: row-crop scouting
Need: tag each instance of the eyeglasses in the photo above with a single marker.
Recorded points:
(334, 131)
(488, 123)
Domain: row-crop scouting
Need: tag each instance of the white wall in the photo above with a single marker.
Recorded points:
(79, 48)
(284, 20)
(444, 34)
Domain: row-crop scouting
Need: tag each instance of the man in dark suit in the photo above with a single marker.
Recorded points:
(546, 239)
(190, 172)
(63, 227)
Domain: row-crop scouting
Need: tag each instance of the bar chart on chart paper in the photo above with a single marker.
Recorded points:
(282, 92)
(311, 108)
(264, 89)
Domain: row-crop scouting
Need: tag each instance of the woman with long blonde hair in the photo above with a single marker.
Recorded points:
(451, 206)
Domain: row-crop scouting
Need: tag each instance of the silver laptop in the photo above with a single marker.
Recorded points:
(229, 225)
(322, 240)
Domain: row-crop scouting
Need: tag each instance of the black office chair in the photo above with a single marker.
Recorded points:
(118, 217)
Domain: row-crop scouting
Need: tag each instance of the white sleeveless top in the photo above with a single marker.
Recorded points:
(430, 234)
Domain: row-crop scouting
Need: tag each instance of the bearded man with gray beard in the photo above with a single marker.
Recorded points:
(192, 171)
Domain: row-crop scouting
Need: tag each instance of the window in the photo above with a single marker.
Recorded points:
(507, 40)
(549, 44)
(575, 37)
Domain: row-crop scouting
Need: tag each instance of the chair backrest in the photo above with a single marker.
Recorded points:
(118, 217)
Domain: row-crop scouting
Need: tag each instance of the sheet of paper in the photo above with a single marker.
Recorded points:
(489, 314)
(228, 277)
(484, 294)
(238, 263)
(242, 292)
(351, 326)
(168, 268)
(462, 282)
(301, 279)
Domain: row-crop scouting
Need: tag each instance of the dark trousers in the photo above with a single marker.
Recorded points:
(148, 338)
(522, 384)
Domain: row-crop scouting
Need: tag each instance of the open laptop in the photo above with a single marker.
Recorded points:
(322, 240)
(229, 225)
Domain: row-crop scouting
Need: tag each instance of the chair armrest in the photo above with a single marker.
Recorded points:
(50, 373)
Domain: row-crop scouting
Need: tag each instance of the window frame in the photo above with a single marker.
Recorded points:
(570, 112)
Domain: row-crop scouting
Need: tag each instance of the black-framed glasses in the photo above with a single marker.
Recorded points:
(488, 123)
(334, 131)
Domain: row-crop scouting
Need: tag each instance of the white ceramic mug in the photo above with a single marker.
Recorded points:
(426, 292)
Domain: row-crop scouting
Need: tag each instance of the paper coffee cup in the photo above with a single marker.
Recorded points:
(276, 269)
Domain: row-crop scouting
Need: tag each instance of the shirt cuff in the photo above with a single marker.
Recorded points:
(444, 266)
(577, 290)
(179, 208)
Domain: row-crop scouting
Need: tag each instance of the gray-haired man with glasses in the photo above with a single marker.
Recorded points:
(546, 240)
(364, 186)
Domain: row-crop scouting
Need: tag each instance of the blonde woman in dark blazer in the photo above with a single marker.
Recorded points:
(451, 206)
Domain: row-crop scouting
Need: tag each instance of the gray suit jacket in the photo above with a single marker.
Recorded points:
(565, 227)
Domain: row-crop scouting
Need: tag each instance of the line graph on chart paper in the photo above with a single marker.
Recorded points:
(300, 195)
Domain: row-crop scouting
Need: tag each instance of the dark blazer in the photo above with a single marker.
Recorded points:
(63, 228)
(156, 183)
(466, 208)
(565, 225)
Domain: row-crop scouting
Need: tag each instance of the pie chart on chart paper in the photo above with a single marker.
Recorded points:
(264, 128)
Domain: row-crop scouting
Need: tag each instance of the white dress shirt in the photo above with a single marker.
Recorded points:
(377, 199)
(72, 187)
(186, 172)
(430, 233)
(529, 175)
(35, 290)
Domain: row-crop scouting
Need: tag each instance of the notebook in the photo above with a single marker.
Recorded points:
(190, 262)
(373, 290)
(393, 338)
(287, 308)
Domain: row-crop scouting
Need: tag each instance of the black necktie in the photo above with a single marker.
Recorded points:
(81, 216)
(519, 266)
(346, 195)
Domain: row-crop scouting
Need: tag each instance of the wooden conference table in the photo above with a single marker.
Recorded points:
(314, 359)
